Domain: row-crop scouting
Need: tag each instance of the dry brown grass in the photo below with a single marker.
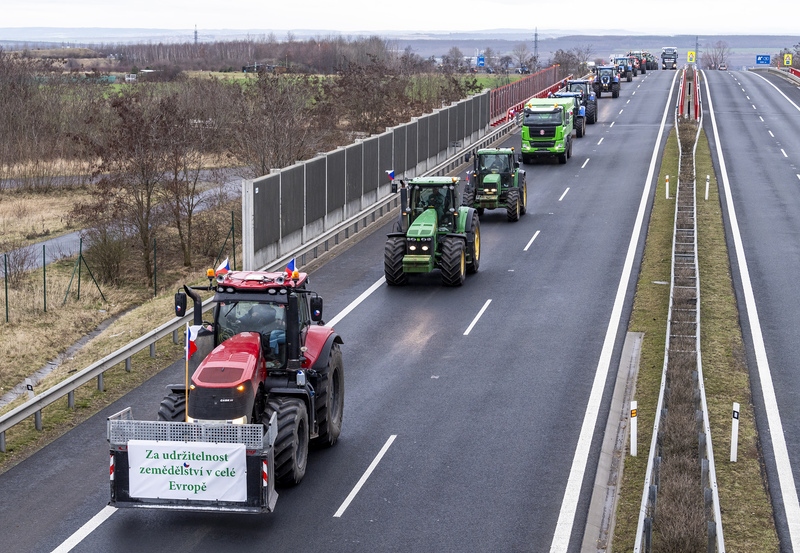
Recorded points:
(27, 218)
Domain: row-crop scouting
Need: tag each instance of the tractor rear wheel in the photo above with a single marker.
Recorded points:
(454, 262)
(615, 90)
(173, 408)
(393, 261)
(330, 400)
(512, 205)
(291, 445)
(474, 245)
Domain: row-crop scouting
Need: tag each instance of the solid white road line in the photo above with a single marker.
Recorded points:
(781, 452)
(535, 234)
(355, 303)
(478, 316)
(340, 511)
(569, 505)
(85, 530)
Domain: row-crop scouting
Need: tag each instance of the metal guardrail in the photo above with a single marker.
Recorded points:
(343, 231)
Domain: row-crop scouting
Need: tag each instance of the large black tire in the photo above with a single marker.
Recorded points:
(393, 261)
(615, 90)
(173, 408)
(330, 400)
(569, 150)
(526, 159)
(468, 198)
(291, 445)
(454, 261)
(480, 211)
(580, 127)
(523, 194)
(513, 205)
(474, 245)
(599, 92)
(591, 113)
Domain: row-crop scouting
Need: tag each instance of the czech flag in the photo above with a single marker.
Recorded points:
(191, 336)
(290, 268)
(391, 174)
(223, 268)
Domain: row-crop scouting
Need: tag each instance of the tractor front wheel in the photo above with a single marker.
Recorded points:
(393, 261)
(291, 445)
(173, 408)
(454, 262)
(512, 205)
(523, 205)
(330, 400)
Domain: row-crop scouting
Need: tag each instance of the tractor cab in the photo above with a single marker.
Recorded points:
(432, 204)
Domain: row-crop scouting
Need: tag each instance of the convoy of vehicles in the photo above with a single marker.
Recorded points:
(268, 385)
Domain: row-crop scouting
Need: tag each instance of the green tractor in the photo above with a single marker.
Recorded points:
(433, 233)
(496, 182)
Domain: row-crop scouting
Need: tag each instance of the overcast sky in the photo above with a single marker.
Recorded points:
(706, 17)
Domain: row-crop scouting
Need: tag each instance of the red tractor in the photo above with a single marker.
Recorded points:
(263, 383)
(265, 357)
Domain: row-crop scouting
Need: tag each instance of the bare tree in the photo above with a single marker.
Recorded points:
(273, 125)
(132, 166)
(712, 57)
(583, 54)
(522, 55)
(568, 62)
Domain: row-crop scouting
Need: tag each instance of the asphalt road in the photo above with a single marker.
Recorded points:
(757, 149)
(491, 424)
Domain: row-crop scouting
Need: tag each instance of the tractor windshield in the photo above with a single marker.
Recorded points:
(495, 163)
(268, 318)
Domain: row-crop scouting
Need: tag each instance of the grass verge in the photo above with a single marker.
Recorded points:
(746, 509)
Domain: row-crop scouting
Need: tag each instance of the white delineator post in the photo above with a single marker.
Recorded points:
(666, 188)
(734, 432)
(633, 428)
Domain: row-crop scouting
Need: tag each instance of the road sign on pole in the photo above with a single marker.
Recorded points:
(762, 59)
(690, 56)
(787, 60)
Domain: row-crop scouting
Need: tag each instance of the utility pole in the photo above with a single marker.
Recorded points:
(535, 49)
(195, 35)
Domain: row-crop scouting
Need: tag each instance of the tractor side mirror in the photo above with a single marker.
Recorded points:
(516, 165)
(316, 308)
(180, 304)
(466, 157)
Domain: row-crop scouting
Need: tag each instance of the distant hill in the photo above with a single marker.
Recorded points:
(426, 44)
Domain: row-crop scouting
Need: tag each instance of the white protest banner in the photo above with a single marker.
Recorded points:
(187, 470)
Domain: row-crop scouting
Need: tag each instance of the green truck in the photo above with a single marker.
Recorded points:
(496, 182)
(547, 125)
(433, 232)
